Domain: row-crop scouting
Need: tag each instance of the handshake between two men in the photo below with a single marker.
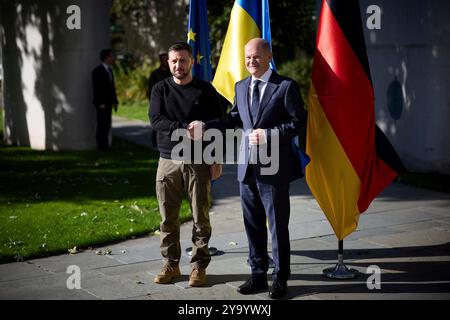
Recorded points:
(196, 129)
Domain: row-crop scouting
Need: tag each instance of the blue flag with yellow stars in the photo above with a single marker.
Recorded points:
(198, 38)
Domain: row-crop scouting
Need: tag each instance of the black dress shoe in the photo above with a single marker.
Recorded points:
(253, 286)
(278, 290)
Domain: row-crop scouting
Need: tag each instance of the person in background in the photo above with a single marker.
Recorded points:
(105, 97)
(161, 73)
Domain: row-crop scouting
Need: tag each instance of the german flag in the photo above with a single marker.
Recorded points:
(351, 159)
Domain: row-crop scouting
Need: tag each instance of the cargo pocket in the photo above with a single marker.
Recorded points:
(160, 186)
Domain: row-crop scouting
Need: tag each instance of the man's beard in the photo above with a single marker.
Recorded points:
(182, 76)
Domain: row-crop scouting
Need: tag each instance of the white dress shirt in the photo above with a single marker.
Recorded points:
(109, 70)
(262, 85)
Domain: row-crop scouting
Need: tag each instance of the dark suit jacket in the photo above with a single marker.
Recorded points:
(281, 108)
(104, 89)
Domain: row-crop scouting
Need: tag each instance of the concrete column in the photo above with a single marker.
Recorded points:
(47, 71)
(409, 59)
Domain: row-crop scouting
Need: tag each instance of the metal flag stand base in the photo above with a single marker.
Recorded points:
(340, 270)
(212, 251)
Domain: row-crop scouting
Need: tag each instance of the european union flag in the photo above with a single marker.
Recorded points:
(198, 38)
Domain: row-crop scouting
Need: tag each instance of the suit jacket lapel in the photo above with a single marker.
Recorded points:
(270, 90)
(246, 108)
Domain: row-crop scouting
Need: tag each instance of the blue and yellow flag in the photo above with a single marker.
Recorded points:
(249, 19)
(198, 38)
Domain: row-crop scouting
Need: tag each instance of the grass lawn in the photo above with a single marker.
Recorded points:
(53, 201)
(137, 109)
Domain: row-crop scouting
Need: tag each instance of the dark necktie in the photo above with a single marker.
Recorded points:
(255, 100)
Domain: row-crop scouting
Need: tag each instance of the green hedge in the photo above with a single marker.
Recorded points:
(299, 70)
(131, 83)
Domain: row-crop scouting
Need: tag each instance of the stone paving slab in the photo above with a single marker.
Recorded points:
(411, 239)
(416, 226)
(309, 229)
(109, 287)
(393, 218)
(51, 287)
(21, 270)
(85, 260)
(217, 292)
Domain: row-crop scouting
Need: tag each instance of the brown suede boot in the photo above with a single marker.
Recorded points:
(197, 277)
(167, 274)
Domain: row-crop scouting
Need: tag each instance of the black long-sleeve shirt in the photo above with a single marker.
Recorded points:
(174, 106)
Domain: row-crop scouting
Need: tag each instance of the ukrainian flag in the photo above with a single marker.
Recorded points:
(198, 38)
(249, 19)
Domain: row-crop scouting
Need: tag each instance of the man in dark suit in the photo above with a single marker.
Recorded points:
(161, 73)
(270, 110)
(156, 76)
(105, 98)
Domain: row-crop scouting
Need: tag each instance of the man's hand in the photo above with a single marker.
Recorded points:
(102, 106)
(115, 107)
(257, 137)
(215, 170)
(195, 130)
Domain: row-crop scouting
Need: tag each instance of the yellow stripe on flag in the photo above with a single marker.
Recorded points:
(330, 174)
(231, 68)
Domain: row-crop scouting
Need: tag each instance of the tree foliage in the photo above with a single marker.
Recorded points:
(145, 27)
(292, 26)
(141, 29)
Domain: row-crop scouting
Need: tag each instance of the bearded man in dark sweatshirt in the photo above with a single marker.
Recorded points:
(175, 102)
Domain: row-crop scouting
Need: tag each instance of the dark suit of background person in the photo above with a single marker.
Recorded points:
(267, 196)
(105, 98)
(156, 76)
(161, 73)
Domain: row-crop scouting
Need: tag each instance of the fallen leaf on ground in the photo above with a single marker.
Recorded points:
(136, 207)
(105, 252)
(74, 250)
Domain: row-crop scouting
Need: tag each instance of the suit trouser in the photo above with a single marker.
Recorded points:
(262, 202)
(174, 180)
(103, 126)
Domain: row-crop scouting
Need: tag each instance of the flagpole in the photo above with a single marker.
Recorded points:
(340, 270)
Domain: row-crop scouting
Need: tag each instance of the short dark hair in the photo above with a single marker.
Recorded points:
(104, 53)
(178, 46)
(162, 54)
